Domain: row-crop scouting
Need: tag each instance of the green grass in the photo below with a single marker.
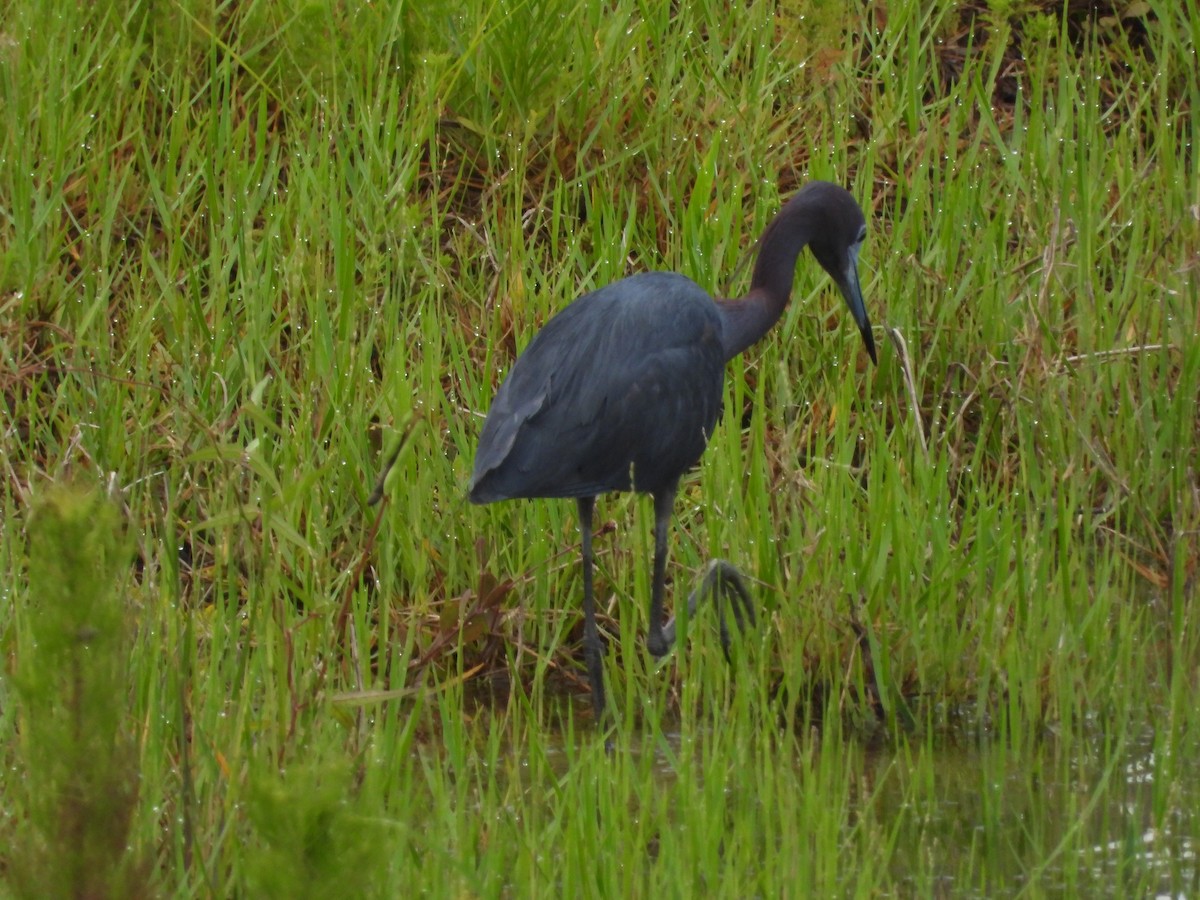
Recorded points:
(247, 250)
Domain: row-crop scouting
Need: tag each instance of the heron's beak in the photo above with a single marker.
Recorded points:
(848, 285)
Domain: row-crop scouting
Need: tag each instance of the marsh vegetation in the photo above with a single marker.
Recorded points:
(248, 250)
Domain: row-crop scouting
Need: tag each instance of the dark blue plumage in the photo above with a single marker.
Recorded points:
(571, 421)
(622, 389)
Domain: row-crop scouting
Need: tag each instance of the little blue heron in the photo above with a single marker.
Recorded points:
(621, 390)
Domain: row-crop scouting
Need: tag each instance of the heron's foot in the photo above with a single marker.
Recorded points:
(656, 639)
(727, 586)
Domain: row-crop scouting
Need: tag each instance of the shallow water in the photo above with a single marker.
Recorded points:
(1090, 816)
(1060, 819)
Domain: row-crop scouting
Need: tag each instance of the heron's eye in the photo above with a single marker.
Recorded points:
(862, 235)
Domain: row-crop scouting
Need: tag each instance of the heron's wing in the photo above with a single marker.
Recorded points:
(660, 417)
(619, 390)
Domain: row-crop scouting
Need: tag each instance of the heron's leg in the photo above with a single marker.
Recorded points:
(657, 641)
(592, 651)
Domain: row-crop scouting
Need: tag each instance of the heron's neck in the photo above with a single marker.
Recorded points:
(748, 318)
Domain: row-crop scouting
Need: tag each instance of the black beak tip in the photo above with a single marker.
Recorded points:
(869, 340)
(858, 310)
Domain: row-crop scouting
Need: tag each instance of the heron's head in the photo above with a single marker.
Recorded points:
(837, 234)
